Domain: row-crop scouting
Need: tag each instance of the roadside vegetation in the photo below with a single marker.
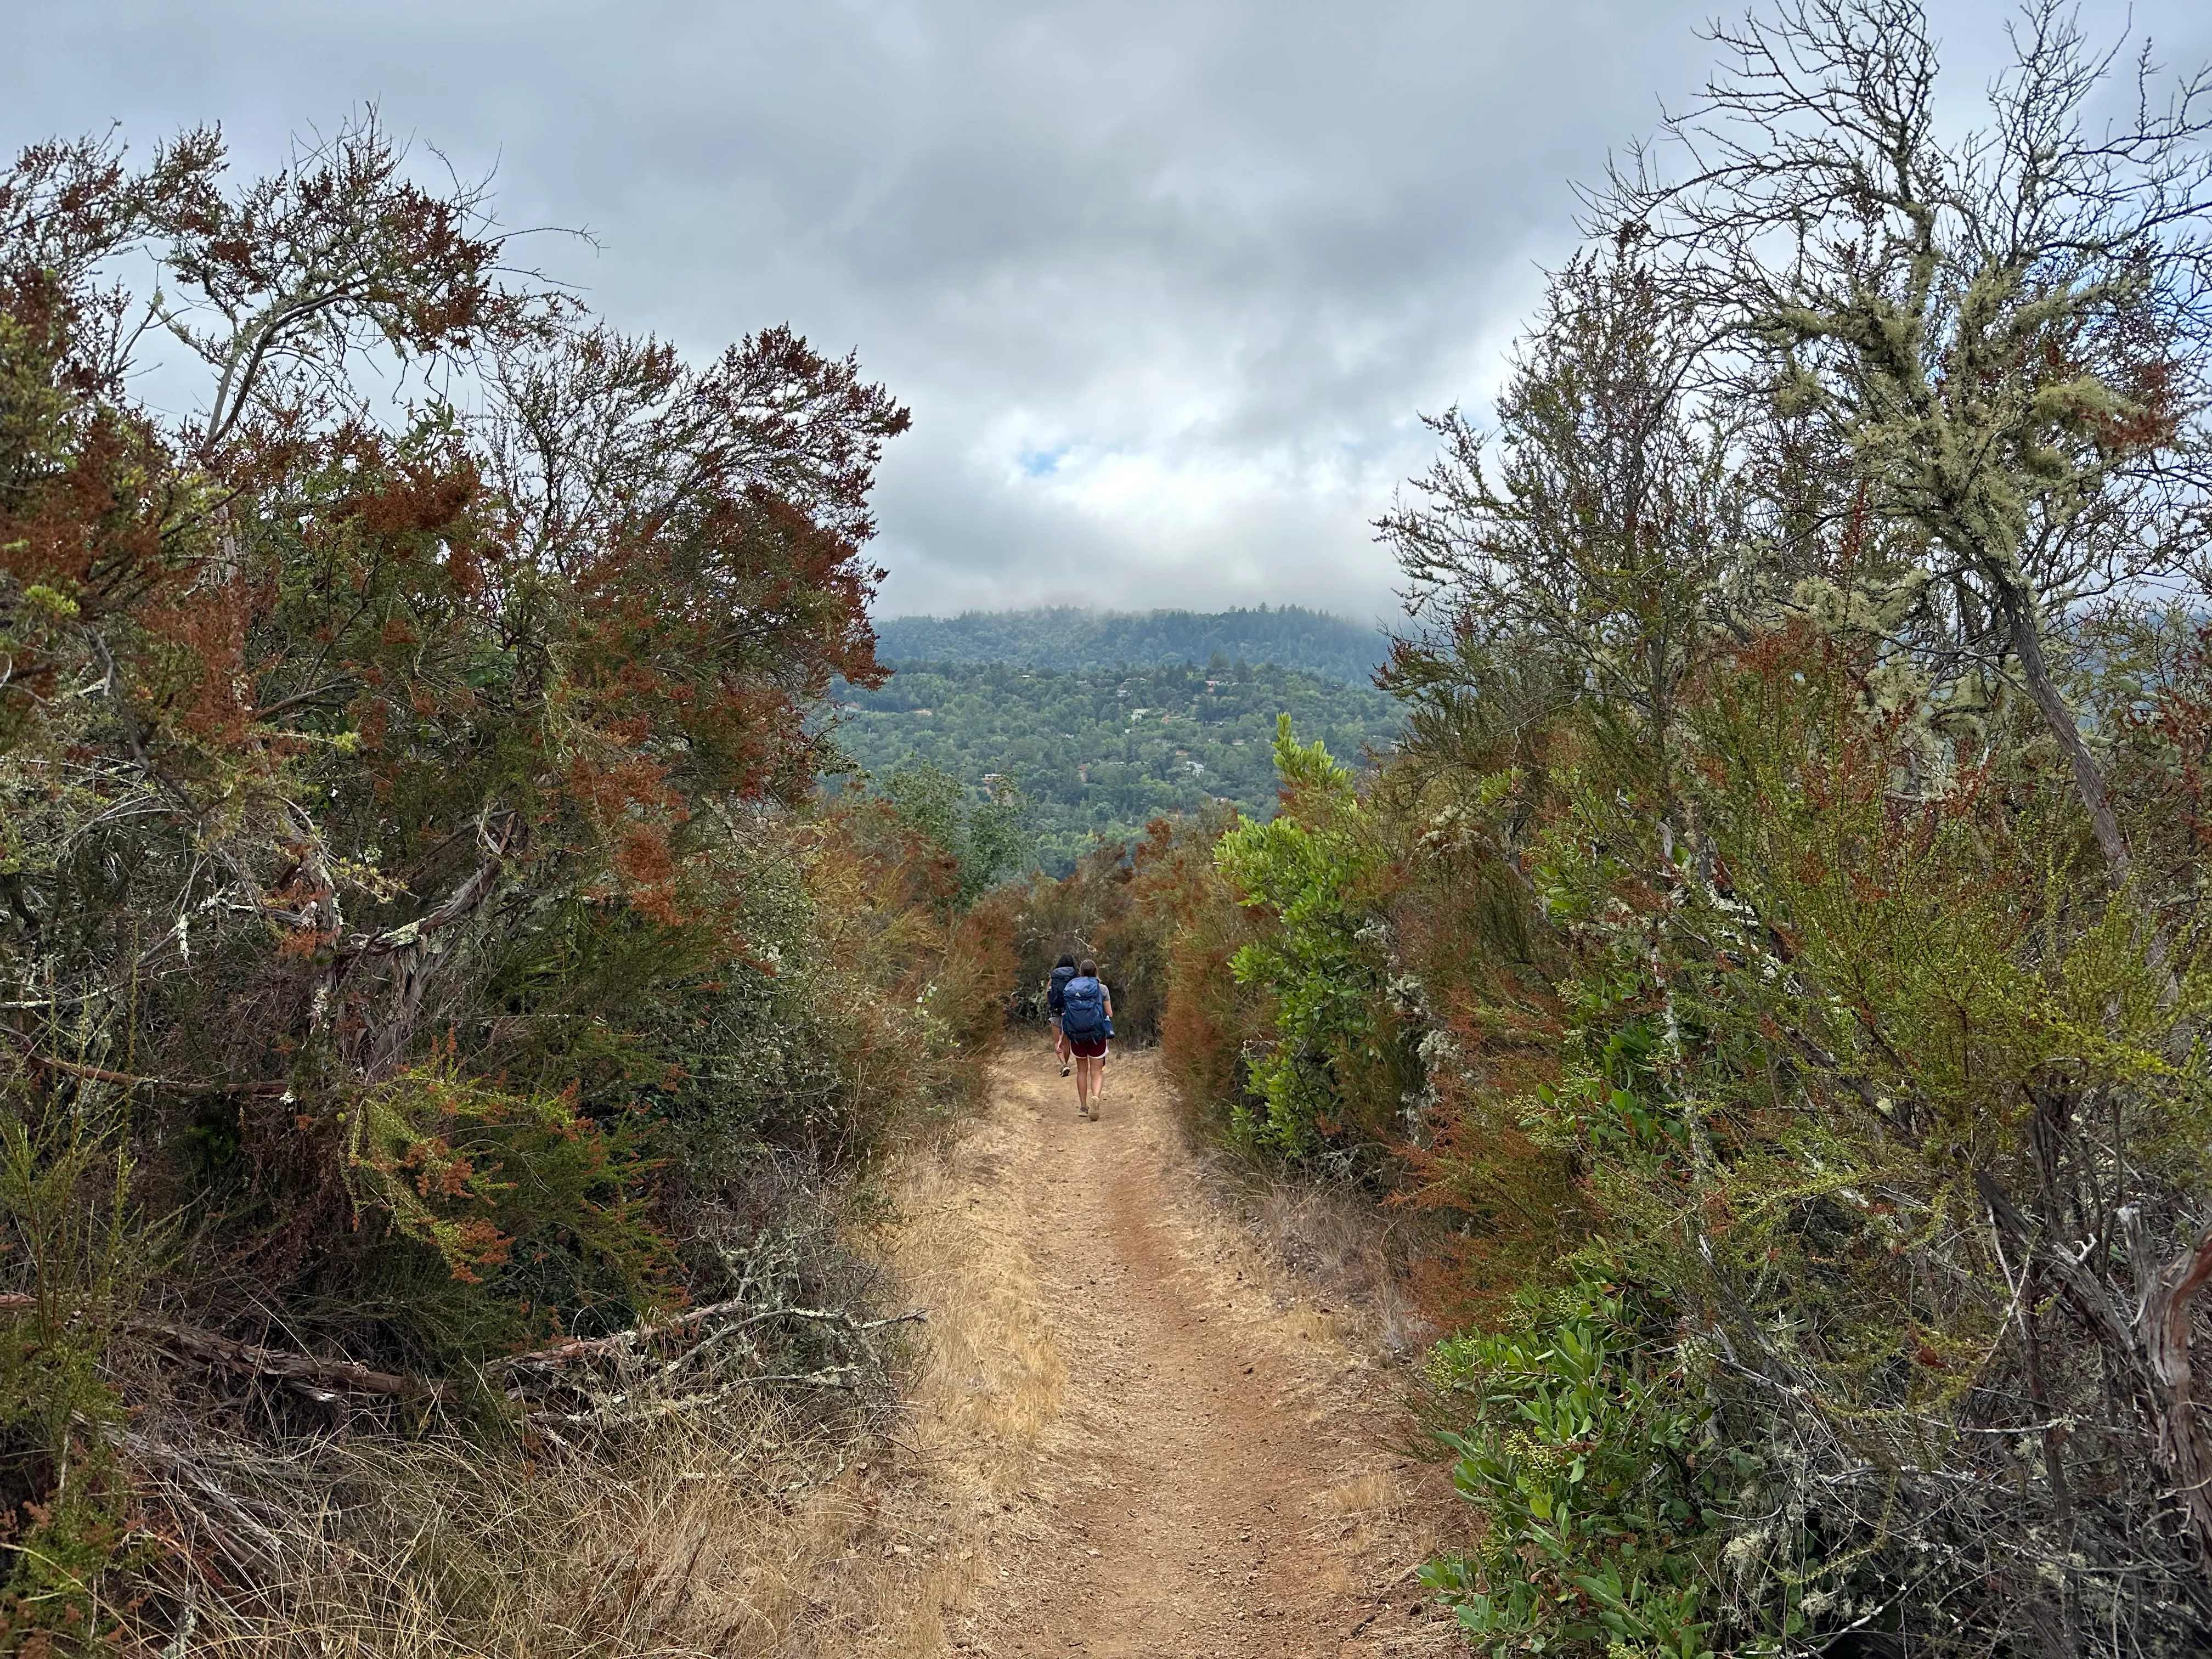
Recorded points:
(441, 1022)
(1773, 964)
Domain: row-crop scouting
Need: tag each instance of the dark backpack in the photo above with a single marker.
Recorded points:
(1057, 989)
(1083, 1010)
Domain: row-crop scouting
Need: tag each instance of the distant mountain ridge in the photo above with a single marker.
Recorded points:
(1070, 640)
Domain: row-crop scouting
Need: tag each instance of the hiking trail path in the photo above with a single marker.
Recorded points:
(1133, 1436)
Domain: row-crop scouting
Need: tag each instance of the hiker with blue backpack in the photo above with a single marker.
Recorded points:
(1086, 1020)
(1053, 993)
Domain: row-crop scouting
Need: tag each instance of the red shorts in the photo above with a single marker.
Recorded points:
(1087, 1048)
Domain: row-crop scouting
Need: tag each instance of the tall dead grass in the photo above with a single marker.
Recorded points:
(726, 1535)
(764, 1529)
(956, 1493)
(1326, 1246)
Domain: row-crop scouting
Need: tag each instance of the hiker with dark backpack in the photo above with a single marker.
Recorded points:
(1086, 1020)
(1053, 993)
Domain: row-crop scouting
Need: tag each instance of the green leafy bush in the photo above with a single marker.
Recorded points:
(520, 1188)
(1334, 1068)
(1589, 1459)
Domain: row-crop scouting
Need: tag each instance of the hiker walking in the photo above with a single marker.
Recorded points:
(1053, 993)
(1086, 1020)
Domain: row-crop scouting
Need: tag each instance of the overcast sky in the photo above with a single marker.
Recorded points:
(1166, 282)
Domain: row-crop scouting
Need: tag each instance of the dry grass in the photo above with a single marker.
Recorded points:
(988, 1389)
(1379, 1496)
(723, 1537)
(746, 1533)
(1336, 1263)
(992, 1379)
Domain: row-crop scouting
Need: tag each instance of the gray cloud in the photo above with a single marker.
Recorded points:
(1165, 281)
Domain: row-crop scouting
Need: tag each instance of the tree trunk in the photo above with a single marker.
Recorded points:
(2152, 1345)
(2089, 783)
(2164, 1296)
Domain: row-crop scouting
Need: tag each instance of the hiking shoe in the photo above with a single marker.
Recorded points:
(1066, 1070)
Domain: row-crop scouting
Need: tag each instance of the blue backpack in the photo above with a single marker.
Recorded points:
(1057, 989)
(1083, 1010)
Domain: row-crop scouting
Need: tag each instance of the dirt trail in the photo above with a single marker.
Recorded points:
(1142, 1442)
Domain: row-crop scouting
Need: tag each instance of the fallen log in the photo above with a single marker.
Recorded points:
(295, 1367)
(585, 1347)
(268, 1362)
(306, 1369)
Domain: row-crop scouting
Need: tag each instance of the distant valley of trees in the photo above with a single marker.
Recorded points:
(1099, 752)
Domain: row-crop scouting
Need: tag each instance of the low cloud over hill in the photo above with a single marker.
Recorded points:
(1069, 639)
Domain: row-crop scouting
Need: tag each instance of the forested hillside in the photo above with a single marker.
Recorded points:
(1099, 754)
(1067, 640)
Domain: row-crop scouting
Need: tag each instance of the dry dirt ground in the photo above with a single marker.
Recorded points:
(1131, 1435)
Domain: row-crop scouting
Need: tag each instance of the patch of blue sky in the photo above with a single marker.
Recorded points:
(1043, 463)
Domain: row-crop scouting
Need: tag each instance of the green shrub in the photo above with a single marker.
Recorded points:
(515, 1190)
(1584, 1450)
(72, 1249)
(1336, 1069)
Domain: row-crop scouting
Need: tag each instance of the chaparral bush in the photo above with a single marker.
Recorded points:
(435, 998)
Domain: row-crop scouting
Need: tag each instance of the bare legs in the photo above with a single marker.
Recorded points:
(1090, 1078)
(1059, 1042)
